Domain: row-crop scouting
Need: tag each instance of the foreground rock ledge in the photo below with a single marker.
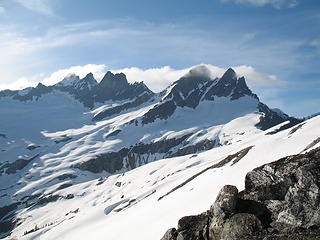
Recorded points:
(281, 200)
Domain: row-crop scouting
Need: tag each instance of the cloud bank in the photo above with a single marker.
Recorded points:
(159, 78)
(156, 79)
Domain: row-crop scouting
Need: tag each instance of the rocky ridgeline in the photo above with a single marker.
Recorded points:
(281, 200)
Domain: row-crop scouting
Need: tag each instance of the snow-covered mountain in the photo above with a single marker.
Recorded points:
(81, 157)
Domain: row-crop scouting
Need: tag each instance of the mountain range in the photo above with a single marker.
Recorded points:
(83, 158)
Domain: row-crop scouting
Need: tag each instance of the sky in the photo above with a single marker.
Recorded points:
(275, 44)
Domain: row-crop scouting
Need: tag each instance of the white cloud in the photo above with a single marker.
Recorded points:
(98, 72)
(261, 3)
(21, 83)
(155, 78)
(39, 6)
(256, 78)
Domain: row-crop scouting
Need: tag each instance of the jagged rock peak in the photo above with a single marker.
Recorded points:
(109, 77)
(229, 78)
(195, 78)
(229, 74)
(89, 78)
(89, 75)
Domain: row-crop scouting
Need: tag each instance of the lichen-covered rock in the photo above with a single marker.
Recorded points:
(240, 226)
(223, 208)
(194, 227)
(290, 189)
(171, 234)
(226, 201)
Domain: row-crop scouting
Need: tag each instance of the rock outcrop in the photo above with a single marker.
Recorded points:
(281, 200)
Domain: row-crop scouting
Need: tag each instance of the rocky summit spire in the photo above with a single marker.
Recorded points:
(89, 76)
(114, 81)
(89, 79)
(229, 74)
(241, 89)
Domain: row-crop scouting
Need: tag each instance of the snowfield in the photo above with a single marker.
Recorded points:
(127, 205)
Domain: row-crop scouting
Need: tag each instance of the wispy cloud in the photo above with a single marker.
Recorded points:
(2, 10)
(257, 78)
(315, 43)
(260, 3)
(39, 6)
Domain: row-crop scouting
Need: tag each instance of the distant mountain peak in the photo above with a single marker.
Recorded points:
(87, 82)
(89, 78)
(89, 75)
(229, 78)
(230, 73)
(40, 85)
(70, 80)
(197, 86)
(114, 80)
(116, 87)
(200, 71)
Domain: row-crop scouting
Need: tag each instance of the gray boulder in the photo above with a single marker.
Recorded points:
(194, 227)
(241, 226)
(171, 234)
(223, 208)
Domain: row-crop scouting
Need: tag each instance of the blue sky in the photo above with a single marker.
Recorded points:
(275, 43)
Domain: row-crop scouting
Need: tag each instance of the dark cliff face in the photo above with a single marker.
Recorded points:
(113, 81)
(143, 153)
(271, 118)
(116, 87)
(280, 201)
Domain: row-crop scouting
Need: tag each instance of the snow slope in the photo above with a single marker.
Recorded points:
(127, 205)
